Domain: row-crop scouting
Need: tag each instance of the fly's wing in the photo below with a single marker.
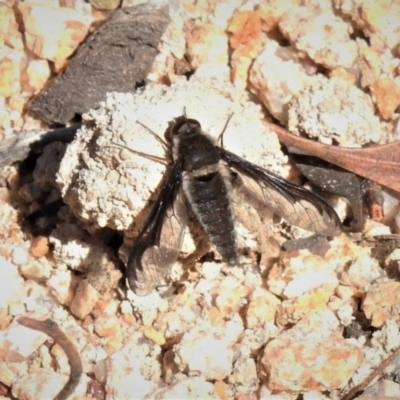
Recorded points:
(157, 246)
(295, 204)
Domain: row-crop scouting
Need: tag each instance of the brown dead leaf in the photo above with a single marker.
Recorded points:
(380, 163)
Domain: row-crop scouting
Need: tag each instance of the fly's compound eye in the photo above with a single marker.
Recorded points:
(185, 126)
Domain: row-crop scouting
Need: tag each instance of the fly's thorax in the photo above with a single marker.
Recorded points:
(196, 151)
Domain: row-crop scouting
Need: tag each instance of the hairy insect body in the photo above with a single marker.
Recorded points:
(199, 176)
(206, 189)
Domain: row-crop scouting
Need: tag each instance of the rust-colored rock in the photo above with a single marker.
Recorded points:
(387, 96)
(221, 389)
(113, 345)
(246, 40)
(154, 335)
(39, 246)
(245, 28)
(107, 326)
(84, 300)
(343, 74)
(311, 356)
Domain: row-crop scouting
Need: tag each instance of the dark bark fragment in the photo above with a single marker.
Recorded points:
(116, 57)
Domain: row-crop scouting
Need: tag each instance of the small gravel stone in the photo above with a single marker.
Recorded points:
(84, 300)
(20, 255)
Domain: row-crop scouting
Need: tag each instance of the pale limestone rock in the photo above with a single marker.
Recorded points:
(63, 284)
(38, 73)
(53, 33)
(277, 75)
(292, 310)
(128, 369)
(11, 65)
(20, 255)
(39, 246)
(39, 300)
(267, 394)
(203, 354)
(244, 374)
(333, 110)
(44, 384)
(11, 284)
(378, 20)
(76, 248)
(382, 389)
(183, 387)
(295, 276)
(381, 346)
(362, 272)
(323, 36)
(382, 302)
(36, 269)
(19, 342)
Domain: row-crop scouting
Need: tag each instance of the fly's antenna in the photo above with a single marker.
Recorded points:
(221, 135)
(148, 156)
(145, 155)
(163, 143)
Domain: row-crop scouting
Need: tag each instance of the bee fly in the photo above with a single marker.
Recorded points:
(200, 174)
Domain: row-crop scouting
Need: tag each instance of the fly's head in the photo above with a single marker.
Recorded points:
(182, 129)
(191, 145)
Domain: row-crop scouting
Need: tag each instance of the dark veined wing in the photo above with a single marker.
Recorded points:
(157, 246)
(295, 204)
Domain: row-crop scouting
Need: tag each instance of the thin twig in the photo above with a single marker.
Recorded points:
(50, 328)
(357, 390)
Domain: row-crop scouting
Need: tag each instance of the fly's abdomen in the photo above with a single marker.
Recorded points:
(209, 199)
